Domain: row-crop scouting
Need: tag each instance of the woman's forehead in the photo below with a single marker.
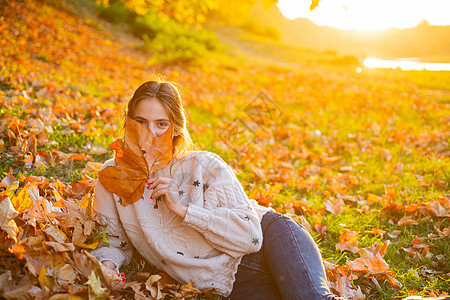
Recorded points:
(150, 107)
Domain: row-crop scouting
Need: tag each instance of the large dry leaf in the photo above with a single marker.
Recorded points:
(27, 291)
(188, 289)
(59, 247)
(83, 263)
(371, 264)
(5, 281)
(56, 234)
(7, 215)
(66, 276)
(138, 155)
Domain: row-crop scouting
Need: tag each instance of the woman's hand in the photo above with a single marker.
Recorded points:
(168, 189)
(112, 266)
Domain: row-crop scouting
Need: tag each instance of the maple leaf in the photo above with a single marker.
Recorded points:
(138, 155)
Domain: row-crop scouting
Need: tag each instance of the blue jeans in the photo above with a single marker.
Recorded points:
(288, 266)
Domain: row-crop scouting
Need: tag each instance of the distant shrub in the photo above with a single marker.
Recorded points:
(148, 25)
(170, 41)
(253, 26)
(167, 40)
(115, 13)
(176, 43)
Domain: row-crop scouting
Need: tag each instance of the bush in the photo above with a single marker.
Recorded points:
(115, 13)
(170, 42)
(167, 40)
(253, 26)
(148, 25)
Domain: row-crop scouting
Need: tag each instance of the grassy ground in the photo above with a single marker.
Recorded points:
(306, 133)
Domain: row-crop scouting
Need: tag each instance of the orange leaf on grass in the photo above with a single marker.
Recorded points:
(138, 155)
(418, 250)
(348, 241)
(407, 220)
(371, 264)
(334, 205)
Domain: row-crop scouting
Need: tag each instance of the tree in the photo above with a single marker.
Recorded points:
(195, 12)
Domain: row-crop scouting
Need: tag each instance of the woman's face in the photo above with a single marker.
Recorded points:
(152, 114)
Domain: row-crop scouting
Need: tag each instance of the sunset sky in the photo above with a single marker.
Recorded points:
(369, 14)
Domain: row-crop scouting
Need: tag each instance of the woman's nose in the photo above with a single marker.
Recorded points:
(155, 130)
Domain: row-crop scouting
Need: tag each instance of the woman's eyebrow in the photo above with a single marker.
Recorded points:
(163, 120)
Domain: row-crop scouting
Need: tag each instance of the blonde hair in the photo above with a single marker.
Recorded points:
(168, 95)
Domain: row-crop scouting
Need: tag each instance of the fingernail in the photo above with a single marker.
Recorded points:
(122, 274)
(124, 279)
(118, 274)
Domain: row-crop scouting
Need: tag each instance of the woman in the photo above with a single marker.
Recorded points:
(187, 214)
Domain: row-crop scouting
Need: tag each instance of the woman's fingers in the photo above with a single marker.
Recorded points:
(155, 181)
(169, 188)
(119, 286)
(160, 190)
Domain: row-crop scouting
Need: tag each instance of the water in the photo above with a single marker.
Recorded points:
(405, 64)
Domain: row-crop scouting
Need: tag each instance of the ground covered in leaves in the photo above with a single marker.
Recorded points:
(360, 158)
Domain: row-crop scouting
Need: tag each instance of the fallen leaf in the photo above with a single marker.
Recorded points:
(348, 241)
(188, 289)
(59, 247)
(7, 215)
(407, 220)
(394, 282)
(334, 205)
(395, 234)
(96, 290)
(138, 155)
(371, 264)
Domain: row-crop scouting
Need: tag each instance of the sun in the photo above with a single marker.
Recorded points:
(369, 14)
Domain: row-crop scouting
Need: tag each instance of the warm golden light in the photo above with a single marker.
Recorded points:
(369, 14)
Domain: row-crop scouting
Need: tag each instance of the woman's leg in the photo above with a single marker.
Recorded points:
(253, 280)
(293, 259)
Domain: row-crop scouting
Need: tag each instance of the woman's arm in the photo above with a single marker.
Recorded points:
(120, 250)
(229, 223)
(226, 218)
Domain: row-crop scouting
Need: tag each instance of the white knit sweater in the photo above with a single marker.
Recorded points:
(220, 227)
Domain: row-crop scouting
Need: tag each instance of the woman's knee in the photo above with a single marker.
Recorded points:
(277, 227)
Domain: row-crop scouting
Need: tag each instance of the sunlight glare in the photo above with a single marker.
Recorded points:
(369, 14)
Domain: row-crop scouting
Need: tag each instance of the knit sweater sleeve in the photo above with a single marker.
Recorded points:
(120, 250)
(226, 220)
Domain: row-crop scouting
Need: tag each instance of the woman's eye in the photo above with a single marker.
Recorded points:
(163, 124)
(140, 121)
